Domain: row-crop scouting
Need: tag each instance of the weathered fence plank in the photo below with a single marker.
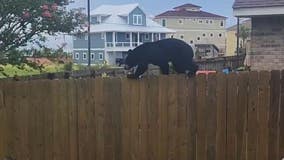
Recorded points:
(201, 113)
(221, 132)
(232, 117)
(241, 116)
(264, 98)
(273, 124)
(281, 122)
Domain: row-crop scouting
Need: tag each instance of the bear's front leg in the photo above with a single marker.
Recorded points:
(165, 68)
(139, 71)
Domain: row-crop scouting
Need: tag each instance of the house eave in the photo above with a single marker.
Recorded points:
(258, 11)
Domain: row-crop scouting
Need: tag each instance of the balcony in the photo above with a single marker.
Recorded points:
(123, 46)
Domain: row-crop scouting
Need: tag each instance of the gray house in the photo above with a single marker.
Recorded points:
(114, 30)
(267, 42)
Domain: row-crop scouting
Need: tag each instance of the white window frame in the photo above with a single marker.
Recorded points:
(101, 56)
(84, 56)
(92, 56)
(77, 56)
(164, 22)
(137, 19)
(180, 21)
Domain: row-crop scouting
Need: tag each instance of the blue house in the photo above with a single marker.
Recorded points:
(114, 30)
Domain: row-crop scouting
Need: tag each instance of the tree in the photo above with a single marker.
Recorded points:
(244, 34)
(23, 21)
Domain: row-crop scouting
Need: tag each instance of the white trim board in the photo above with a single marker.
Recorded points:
(260, 11)
(86, 49)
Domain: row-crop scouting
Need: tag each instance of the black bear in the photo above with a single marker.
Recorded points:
(160, 53)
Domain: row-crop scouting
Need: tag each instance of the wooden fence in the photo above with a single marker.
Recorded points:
(219, 117)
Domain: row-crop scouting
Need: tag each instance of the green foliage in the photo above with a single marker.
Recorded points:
(244, 34)
(68, 66)
(21, 21)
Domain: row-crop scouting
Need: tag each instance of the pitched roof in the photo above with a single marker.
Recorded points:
(115, 22)
(122, 10)
(184, 13)
(257, 3)
(188, 5)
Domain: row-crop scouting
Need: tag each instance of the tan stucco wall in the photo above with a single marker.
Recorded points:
(192, 28)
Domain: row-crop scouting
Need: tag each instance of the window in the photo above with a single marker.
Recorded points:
(207, 21)
(76, 56)
(198, 38)
(200, 21)
(204, 34)
(137, 19)
(181, 36)
(147, 36)
(222, 23)
(86, 37)
(220, 35)
(211, 22)
(172, 36)
(84, 56)
(191, 42)
(102, 35)
(180, 21)
(74, 38)
(101, 56)
(211, 34)
(127, 36)
(164, 22)
(92, 56)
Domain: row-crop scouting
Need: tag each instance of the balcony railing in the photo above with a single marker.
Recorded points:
(122, 44)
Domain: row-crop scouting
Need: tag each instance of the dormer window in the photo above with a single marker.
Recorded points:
(137, 19)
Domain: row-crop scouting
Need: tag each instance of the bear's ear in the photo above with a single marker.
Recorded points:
(129, 51)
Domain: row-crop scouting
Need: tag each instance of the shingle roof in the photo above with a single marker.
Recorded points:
(257, 3)
(184, 13)
(188, 5)
(114, 9)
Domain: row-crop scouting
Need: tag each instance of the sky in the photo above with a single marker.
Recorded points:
(155, 7)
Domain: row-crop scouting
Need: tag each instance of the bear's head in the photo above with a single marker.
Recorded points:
(130, 60)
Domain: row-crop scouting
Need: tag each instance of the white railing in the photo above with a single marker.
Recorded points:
(122, 44)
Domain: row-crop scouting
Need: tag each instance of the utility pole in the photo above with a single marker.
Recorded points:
(89, 35)
(238, 35)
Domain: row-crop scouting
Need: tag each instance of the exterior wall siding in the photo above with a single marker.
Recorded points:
(137, 11)
(267, 49)
(82, 41)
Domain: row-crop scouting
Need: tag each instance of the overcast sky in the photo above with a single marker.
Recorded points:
(155, 7)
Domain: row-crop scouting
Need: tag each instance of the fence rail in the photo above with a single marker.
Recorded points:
(222, 117)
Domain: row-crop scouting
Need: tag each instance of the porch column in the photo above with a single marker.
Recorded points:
(138, 37)
(131, 41)
(159, 36)
(113, 39)
(152, 35)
